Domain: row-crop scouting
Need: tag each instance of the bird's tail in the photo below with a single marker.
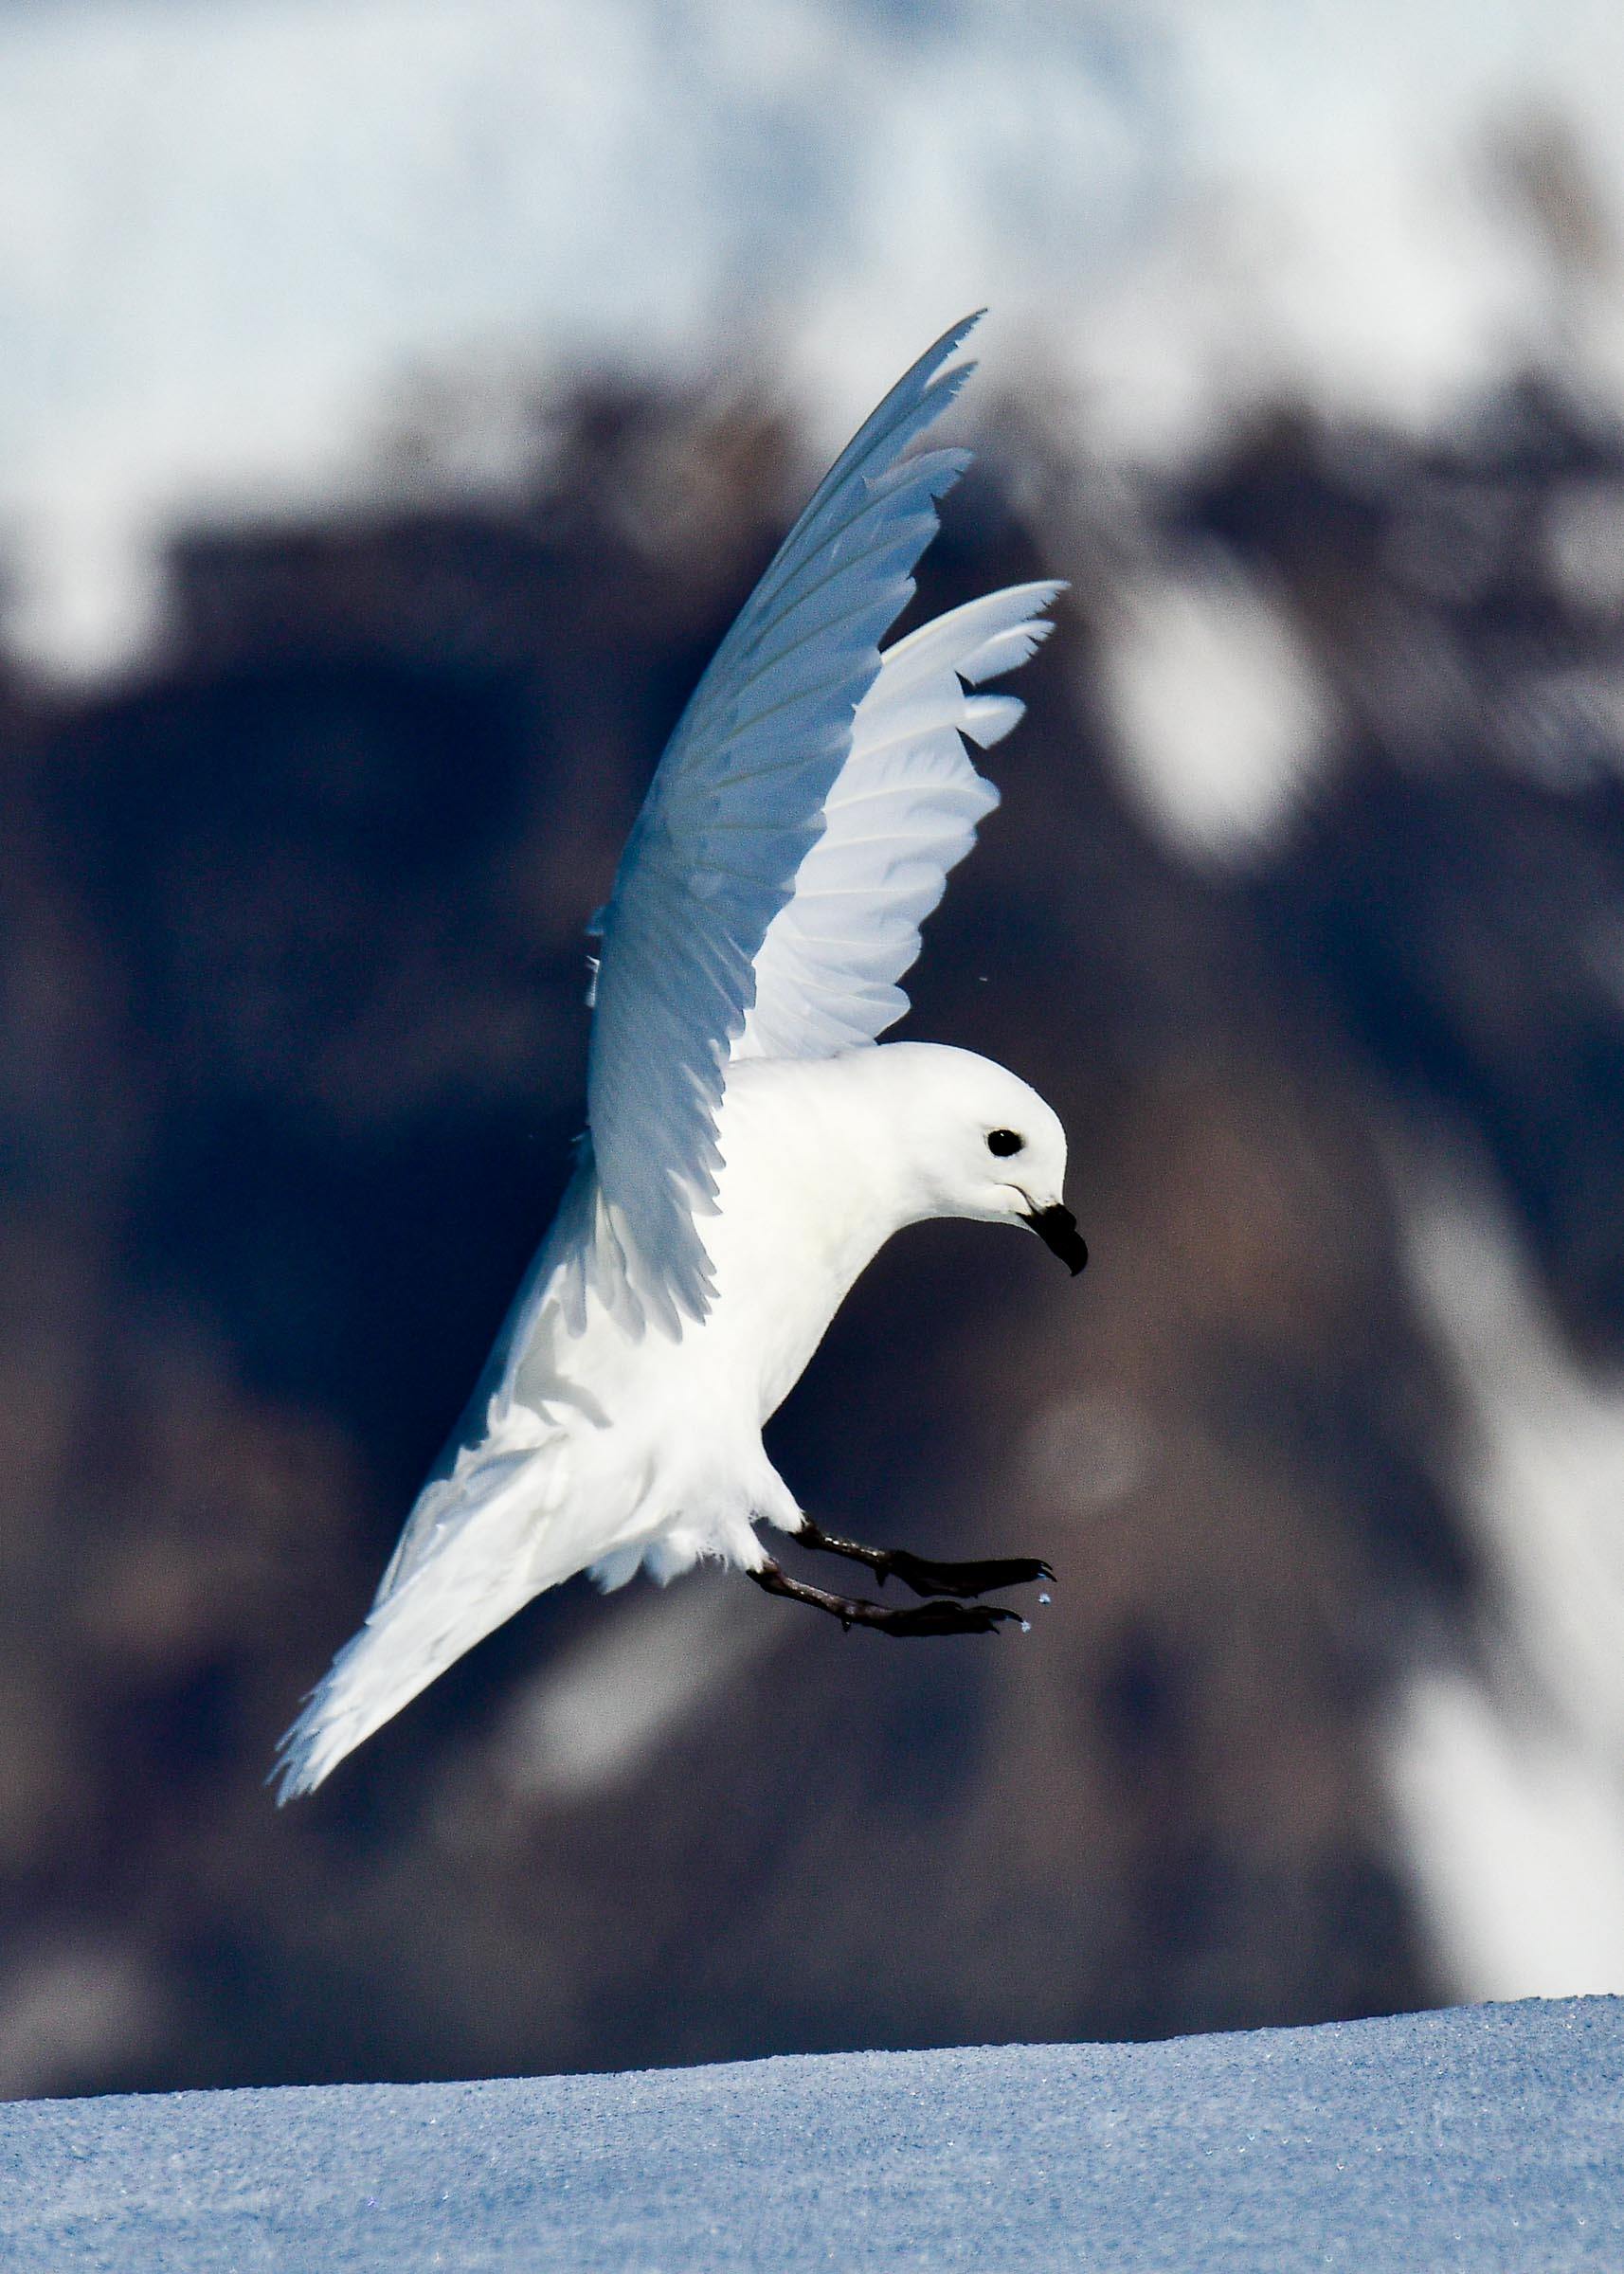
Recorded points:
(468, 1560)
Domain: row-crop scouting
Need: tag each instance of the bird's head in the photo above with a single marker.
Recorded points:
(983, 1143)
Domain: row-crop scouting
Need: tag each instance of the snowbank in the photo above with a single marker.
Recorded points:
(1481, 2138)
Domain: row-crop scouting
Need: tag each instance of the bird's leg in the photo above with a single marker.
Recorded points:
(919, 1618)
(918, 1572)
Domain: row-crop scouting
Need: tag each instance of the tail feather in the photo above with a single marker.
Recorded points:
(482, 1567)
(405, 1644)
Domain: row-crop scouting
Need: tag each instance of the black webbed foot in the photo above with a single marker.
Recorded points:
(925, 1576)
(961, 1579)
(916, 1618)
(945, 1618)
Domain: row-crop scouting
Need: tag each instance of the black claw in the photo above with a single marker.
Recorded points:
(962, 1580)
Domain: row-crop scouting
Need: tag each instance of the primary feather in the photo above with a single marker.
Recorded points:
(902, 813)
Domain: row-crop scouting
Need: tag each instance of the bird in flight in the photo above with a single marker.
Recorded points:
(749, 1148)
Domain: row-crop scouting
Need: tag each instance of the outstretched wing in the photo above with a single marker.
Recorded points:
(902, 813)
(798, 827)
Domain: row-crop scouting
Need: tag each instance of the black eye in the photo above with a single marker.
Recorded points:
(1004, 1143)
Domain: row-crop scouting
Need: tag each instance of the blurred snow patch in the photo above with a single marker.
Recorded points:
(1515, 1837)
(234, 234)
(1584, 537)
(650, 1666)
(70, 2011)
(1087, 1454)
(1219, 714)
(1508, 1783)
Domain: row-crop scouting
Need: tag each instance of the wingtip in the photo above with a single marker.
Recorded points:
(1039, 592)
(1040, 598)
(927, 371)
(947, 346)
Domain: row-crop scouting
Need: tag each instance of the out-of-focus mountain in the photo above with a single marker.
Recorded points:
(292, 1053)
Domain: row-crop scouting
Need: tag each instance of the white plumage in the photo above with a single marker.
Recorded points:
(748, 1148)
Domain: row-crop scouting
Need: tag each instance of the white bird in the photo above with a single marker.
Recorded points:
(748, 1148)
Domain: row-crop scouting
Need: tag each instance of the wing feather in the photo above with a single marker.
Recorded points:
(902, 814)
(799, 829)
(693, 900)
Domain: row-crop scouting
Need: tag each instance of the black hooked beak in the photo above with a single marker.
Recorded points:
(1057, 1227)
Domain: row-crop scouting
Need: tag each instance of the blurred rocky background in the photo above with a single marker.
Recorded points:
(1305, 906)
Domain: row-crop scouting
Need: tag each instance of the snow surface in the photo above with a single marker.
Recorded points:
(1482, 2139)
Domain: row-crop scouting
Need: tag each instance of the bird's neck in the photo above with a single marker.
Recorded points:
(809, 1194)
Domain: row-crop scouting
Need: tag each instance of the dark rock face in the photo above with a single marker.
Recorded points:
(292, 1053)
